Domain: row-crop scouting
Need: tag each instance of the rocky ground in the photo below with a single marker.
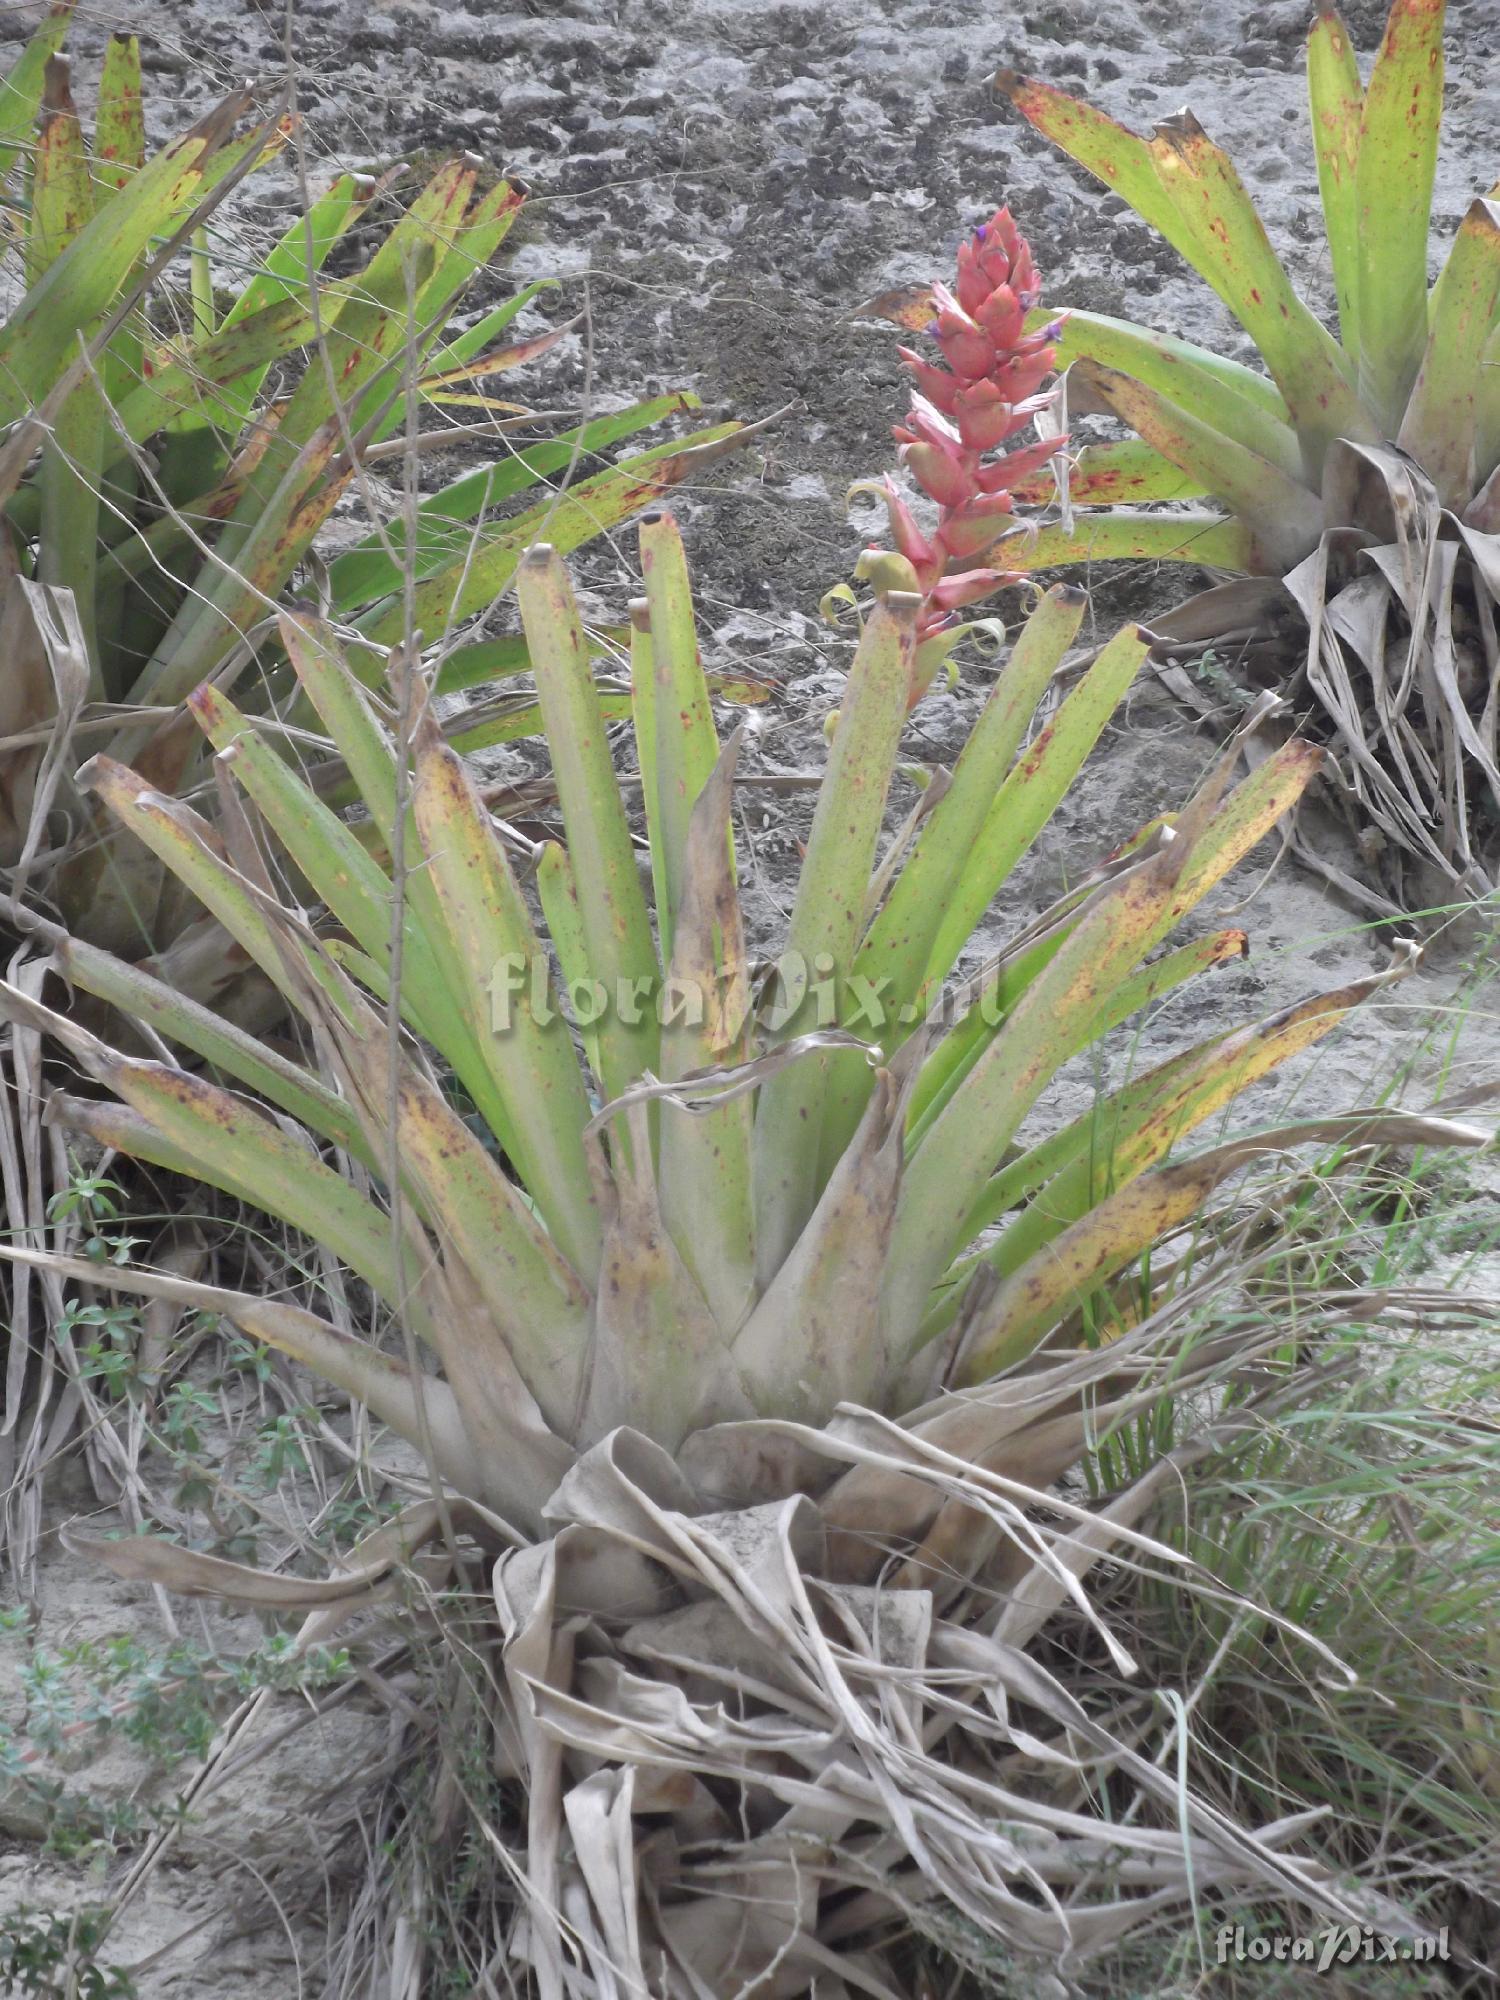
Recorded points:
(723, 183)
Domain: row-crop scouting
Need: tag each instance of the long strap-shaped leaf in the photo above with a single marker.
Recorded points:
(1441, 426)
(1336, 100)
(62, 205)
(378, 1380)
(337, 866)
(373, 568)
(1284, 515)
(893, 959)
(944, 1071)
(244, 577)
(234, 1145)
(1234, 253)
(798, 1349)
(1029, 796)
(827, 917)
(530, 1059)
(1035, 1298)
(704, 1175)
(612, 906)
(1397, 163)
(21, 89)
(485, 565)
(1124, 472)
(1061, 1011)
(139, 996)
(1137, 1125)
(901, 941)
(39, 340)
(659, 1362)
(1128, 534)
(1108, 150)
(1188, 191)
(686, 746)
(1243, 405)
(530, 1309)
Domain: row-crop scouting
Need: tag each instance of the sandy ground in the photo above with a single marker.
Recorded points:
(722, 182)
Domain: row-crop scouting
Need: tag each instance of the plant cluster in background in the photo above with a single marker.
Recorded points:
(1357, 478)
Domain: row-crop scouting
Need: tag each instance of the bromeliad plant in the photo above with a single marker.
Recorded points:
(174, 452)
(1357, 479)
(755, 1346)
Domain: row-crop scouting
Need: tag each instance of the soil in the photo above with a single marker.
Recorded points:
(723, 183)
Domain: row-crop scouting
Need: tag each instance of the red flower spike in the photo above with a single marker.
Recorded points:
(938, 474)
(992, 387)
(951, 593)
(1001, 317)
(1016, 380)
(908, 537)
(1024, 459)
(936, 384)
(969, 355)
(985, 419)
(973, 286)
(977, 525)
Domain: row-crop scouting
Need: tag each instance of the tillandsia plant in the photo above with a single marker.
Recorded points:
(175, 450)
(1357, 479)
(993, 387)
(755, 1345)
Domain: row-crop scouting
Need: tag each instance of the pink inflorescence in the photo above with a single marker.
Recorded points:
(991, 388)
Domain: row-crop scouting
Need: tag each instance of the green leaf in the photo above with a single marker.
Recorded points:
(704, 1175)
(1110, 151)
(341, 873)
(1125, 471)
(21, 90)
(374, 567)
(1397, 163)
(39, 340)
(612, 907)
(237, 1146)
(1336, 100)
(1233, 252)
(1442, 422)
(135, 993)
(1028, 798)
(62, 205)
(1224, 393)
(1214, 540)
(286, 277)
(247, 575)
(892, 960)
(201, 383)
(1063, 1009)
(948, 855)
(507, 997)
(119, 150)
(827, 918)
(685, 746)
(1188, 191)
(1285, 519)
